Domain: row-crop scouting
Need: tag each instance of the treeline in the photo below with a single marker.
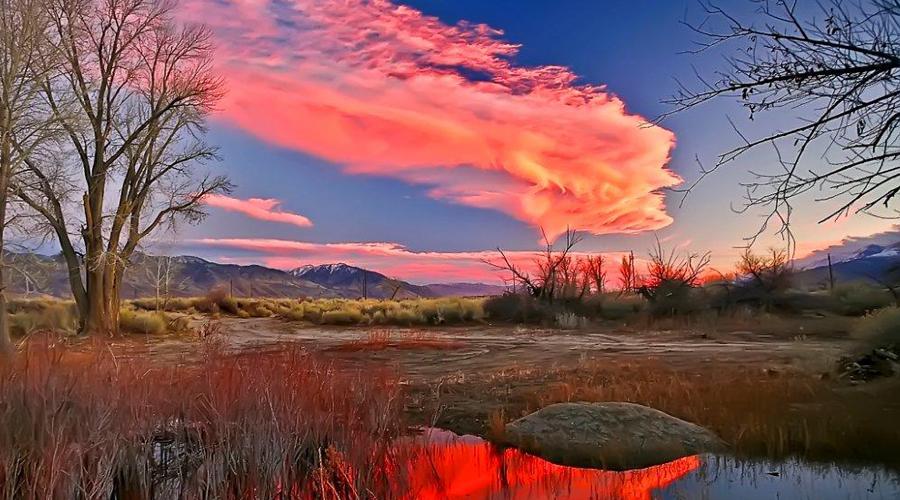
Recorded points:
(566, 287)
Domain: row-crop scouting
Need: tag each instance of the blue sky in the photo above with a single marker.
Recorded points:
(630, 48)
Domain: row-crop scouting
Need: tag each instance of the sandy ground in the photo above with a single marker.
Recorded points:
(453, 352)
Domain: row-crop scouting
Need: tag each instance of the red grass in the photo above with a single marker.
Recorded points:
(258, 425)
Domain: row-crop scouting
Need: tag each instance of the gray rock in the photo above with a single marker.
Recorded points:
(614, 436)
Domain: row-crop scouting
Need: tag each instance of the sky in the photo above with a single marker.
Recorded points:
(416, 137)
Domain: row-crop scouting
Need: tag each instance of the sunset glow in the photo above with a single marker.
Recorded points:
(475, 469)
(382, 89)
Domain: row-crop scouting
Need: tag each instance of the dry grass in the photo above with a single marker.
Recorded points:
(260, 425)
(761, 413)
(381, 339)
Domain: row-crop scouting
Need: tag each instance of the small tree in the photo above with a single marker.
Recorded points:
(671, 275)
(549, 265)
(594, 272)
(25, 124)
(628, 278)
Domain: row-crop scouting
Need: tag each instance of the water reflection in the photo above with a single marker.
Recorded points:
(454, 467)
(467, 467)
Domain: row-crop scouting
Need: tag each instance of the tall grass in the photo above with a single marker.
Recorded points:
(256, 425)
(880, 329)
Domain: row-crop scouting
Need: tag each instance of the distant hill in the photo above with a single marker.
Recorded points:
(189, 276)
(881, 262)
(350, 280)
(466, 289)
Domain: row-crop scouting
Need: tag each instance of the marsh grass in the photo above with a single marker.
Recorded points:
(771, 413)
(879, 329)
(381, 339)
(84, 424)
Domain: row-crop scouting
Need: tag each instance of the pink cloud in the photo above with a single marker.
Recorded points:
(257, 208)
(391, 259)
(382, 89)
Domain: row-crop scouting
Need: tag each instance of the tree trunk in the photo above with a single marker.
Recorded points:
(6, 346)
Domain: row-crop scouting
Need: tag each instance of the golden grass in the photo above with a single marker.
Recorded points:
(255, 425)
(759, 412)
(381, 339)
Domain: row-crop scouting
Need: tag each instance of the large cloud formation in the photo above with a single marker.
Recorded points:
(383, 89)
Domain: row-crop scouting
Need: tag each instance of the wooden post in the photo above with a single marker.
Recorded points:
(633, 284)
(231, 287)
(830, 274)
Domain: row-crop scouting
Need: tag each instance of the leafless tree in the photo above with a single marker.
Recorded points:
(835, 66)
(25, 124)
(769, 272)
(545, 283)
(595, 272)
(132, 96)
(672, 270)
(628, 277)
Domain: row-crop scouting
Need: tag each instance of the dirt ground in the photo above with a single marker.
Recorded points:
(435, 354)
(768, 385)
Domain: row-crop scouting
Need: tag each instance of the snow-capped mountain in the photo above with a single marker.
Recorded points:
(356, 281)
(871, 262)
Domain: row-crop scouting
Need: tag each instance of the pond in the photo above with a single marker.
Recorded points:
(467, 467)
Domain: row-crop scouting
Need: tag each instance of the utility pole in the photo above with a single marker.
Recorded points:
(365, 284)
(633, 284)
(830, 274)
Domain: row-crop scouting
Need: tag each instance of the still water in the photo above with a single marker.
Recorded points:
(466, 467)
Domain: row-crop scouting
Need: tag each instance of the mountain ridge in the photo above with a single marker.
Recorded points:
(188, 275)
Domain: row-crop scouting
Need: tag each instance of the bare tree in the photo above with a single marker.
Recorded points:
(673, 271)
(595, 273)
(835, 64)
(546, 283)
(769, 272)
(25, 124)
(132, 97)
(628, 278)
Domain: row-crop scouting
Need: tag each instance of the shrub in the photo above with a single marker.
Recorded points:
(342, 317)
(879, 329)
(516, 307)
(858, 299)
(294, 313)
(134, 321)
(27, 316)
(619, 306)
(89, 426)
(403, 317)
(206, 306)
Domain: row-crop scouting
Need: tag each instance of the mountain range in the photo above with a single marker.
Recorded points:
(871, 262)
(188, 276)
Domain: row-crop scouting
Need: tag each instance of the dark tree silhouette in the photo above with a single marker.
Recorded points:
(833, 65)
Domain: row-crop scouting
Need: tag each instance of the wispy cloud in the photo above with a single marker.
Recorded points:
(257, 208)
(384, 90)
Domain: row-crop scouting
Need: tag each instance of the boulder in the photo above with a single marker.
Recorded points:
(613, 436)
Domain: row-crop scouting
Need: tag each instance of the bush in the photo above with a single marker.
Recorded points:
(880, 329)
(149, 323)
(27, 316)
(518, 308)
(619, 306)
(342, 317)
(858, 299)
